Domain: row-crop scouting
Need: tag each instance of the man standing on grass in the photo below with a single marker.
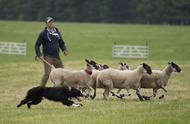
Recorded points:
(51, 40)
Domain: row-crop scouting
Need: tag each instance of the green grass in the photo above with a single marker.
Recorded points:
(91, 40)
(95, 40)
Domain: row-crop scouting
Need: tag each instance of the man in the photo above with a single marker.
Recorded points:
(51, 40)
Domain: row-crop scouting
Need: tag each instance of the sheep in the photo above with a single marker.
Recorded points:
(78, 79)
(128, 79)
(123, 66)
(98, 66)
(159, 79)
(98, 69)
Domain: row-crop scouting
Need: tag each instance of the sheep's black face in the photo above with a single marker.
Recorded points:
(124, 66)
(105, 66)
(175, 66)
(98, 66)
(147, 68)
(94, 64)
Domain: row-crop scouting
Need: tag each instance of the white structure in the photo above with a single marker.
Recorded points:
(130, 51)
(13, 48)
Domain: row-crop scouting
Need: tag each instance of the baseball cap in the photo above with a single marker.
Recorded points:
(49, 19)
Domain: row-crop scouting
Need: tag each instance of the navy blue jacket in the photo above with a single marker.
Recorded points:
(50, 43)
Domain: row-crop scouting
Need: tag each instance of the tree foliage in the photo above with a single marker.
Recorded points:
(119, 11)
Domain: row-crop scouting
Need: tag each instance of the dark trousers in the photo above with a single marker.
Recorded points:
(47, 69)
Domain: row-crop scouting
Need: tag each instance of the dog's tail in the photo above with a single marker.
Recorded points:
(51, 66)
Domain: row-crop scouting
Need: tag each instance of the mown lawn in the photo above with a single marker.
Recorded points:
(20, 73)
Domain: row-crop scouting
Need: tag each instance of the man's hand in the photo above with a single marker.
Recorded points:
(39, 57)
(65, 53)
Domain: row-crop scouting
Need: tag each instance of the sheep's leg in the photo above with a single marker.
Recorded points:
(108, 84)
(118, 96)
(128, 91)
(106, 93)
(121, 95)
(154, 92)
(90, 92)
(119, 90)
(94, 93)
(165, 91)
(138, 92)
(84, 92)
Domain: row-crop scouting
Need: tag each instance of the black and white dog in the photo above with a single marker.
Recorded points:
(59, 94)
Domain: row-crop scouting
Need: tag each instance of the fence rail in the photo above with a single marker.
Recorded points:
(14, 48)
(130, 51)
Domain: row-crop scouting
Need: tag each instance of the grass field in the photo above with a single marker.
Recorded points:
(92, 40)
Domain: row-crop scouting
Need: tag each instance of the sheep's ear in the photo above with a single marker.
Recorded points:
(105, 66)
(121, 63)
(144, 64)
(173, 64)
(87, 61)
(126, 65)
(93, 62)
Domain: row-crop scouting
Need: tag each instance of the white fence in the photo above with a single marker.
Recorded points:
(130, 51)
(13, 48)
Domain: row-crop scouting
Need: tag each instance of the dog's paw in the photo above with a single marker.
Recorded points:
(77, 105)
